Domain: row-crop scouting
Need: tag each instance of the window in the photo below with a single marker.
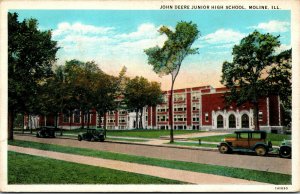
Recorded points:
(260, 116)
(196, 106)
(196, 96)
(162, 118)
(122, 119)
(111, 112)
(85, 118)
(206, 117)
(111, 120)
(76, 116)
(196, 117)
(179, 117)
(162, 109)
(179, 107)
(165, 98)
(220, 122)
(179, 97)
(232, 122)
(245, 121)
(122, 112)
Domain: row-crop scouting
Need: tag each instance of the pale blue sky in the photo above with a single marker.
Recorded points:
(114, 38)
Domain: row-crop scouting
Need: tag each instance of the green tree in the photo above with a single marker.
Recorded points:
(280, 82)
(139, 93)
(31, 53)
(105, 95)
(168, 59)
(251, 75)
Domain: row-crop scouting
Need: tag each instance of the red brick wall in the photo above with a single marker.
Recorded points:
(154, 116)
(215, 102)
(274, 110)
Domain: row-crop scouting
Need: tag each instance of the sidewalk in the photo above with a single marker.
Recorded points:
(180, 175)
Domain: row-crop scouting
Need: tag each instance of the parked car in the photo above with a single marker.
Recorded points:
(246, 141)
(46, 132)
(285, 149)
(92, 135)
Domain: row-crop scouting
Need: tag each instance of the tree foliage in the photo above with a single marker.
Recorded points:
(31, 53)
(168, 59)
(256, 71)
(139, 93)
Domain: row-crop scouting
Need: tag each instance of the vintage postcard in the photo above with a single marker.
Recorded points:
(149, 96)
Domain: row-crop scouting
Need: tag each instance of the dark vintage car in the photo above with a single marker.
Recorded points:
(285, 149)
(46, 132)
(246, 141)
(92, 135)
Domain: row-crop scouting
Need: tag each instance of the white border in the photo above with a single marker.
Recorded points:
(5, 5)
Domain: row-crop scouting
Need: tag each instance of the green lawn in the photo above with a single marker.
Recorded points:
(124, 139)
(147, 133)
(28, 169)
(141, 133)
(274, 138)
(195, 144)
(260, 176)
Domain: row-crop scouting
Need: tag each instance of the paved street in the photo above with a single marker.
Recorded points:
(271, 164)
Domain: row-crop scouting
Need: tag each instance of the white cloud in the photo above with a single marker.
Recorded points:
(283, 47)
(146, 30)
(223, 36)
(273, 26)
(105, 44)
(79, 28)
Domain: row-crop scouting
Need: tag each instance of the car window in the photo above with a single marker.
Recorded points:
(256, 135)
(244, 135)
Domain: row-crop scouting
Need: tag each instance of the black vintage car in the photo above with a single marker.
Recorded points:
(46, 132)
(285, 149)
(92, 135)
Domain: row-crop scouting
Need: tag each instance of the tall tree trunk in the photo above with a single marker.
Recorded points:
(82, 119)
(136, 118)
(30, 123)
(88, 120)
(104, 124)
(23, 118)
(61, 130)
(55, 121)
(141, 119)
(11, 116)
(171, 113)
(256, 116)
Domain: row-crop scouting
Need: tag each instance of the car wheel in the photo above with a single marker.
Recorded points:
(92, 139)
(79, 138)
(224, 149)
(285, 152)
(260, 151)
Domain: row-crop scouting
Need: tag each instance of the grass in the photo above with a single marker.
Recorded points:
(260, 176)
(195, 144)
(147, 133)
(141, 133)
(274, 138)
(27, 169)
(124, 139)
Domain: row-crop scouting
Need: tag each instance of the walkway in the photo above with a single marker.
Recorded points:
(180, 175)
